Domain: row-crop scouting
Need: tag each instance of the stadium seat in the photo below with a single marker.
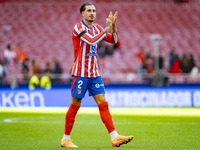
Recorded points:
(45, 28)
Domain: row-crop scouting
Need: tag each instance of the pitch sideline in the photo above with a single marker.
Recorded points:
(147, 111)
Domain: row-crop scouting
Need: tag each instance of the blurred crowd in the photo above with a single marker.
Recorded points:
(18, 57)
(177, 64)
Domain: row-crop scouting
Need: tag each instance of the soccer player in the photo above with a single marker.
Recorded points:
(85, 74)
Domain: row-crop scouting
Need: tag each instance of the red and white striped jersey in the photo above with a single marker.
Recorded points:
(85, 42)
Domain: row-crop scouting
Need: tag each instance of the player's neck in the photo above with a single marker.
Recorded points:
(88, 23)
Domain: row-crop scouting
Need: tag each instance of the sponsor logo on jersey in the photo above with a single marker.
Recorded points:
(92, 54)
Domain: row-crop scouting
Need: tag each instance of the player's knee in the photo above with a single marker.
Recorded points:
(76, 101)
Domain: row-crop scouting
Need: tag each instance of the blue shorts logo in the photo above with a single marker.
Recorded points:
(97, 85)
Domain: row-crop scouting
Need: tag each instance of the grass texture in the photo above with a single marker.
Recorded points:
(152, 128)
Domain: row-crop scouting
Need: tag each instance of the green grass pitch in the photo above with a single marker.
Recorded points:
(152, 128)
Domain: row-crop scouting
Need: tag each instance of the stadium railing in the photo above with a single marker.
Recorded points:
(117, 78)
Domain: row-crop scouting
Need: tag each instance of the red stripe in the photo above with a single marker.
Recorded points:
(96, 70)
(74, 81)
(80, 60)
(91, 69)
(92, 40)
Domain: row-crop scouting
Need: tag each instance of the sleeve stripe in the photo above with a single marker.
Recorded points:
(76, 29)
(74, 34)
(93, 43)
(115, 37)
(91, 40)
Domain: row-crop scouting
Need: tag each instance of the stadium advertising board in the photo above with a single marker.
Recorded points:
(117, 97)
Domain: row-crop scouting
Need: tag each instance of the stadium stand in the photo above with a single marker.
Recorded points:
(44, 28)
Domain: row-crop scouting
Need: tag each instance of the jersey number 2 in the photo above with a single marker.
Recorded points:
(80, 82)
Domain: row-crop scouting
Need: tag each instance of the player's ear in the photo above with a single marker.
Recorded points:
(82, 13)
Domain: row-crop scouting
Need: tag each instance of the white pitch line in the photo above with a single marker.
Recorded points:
(34, 120)
(114, 110)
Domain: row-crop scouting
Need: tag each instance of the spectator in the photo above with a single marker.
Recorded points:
(35, 68)
(185, 64)
(191, 62)
(57, 70)
(176, 67)
(172, 56)
(2, 72)
(25, 70)
(148, 66)
(160, 62)
(45, 81)
(193, 69)
(21, 55)
(48, 68)
(10, 56)
(140, 60)
(34, 82)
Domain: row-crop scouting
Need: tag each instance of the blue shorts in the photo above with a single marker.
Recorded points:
(80, 85)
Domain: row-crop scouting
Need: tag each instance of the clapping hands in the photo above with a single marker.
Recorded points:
(111, 22)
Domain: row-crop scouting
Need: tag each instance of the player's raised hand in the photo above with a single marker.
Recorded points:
(108, 22)
(114, 19)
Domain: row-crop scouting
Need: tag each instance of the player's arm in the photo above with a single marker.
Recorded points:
(93, 40)
(79, 32)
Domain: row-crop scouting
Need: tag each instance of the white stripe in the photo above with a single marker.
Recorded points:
(76, 71)
(93, 31)
(115, 37)
(82, 25)
(76, 29)
(94, 67)
(74, 34)
(92, 43)
(96, 63)
(97, 29)
(89, 65)
(97, 67)
(83, 60)
(94, 57)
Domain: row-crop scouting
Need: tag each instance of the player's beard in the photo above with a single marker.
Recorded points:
(90, 20)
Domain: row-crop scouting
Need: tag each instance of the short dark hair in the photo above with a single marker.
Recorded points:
(82, 8)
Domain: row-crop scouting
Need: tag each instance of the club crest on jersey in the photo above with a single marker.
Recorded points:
(93, 49)
(79, 91)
